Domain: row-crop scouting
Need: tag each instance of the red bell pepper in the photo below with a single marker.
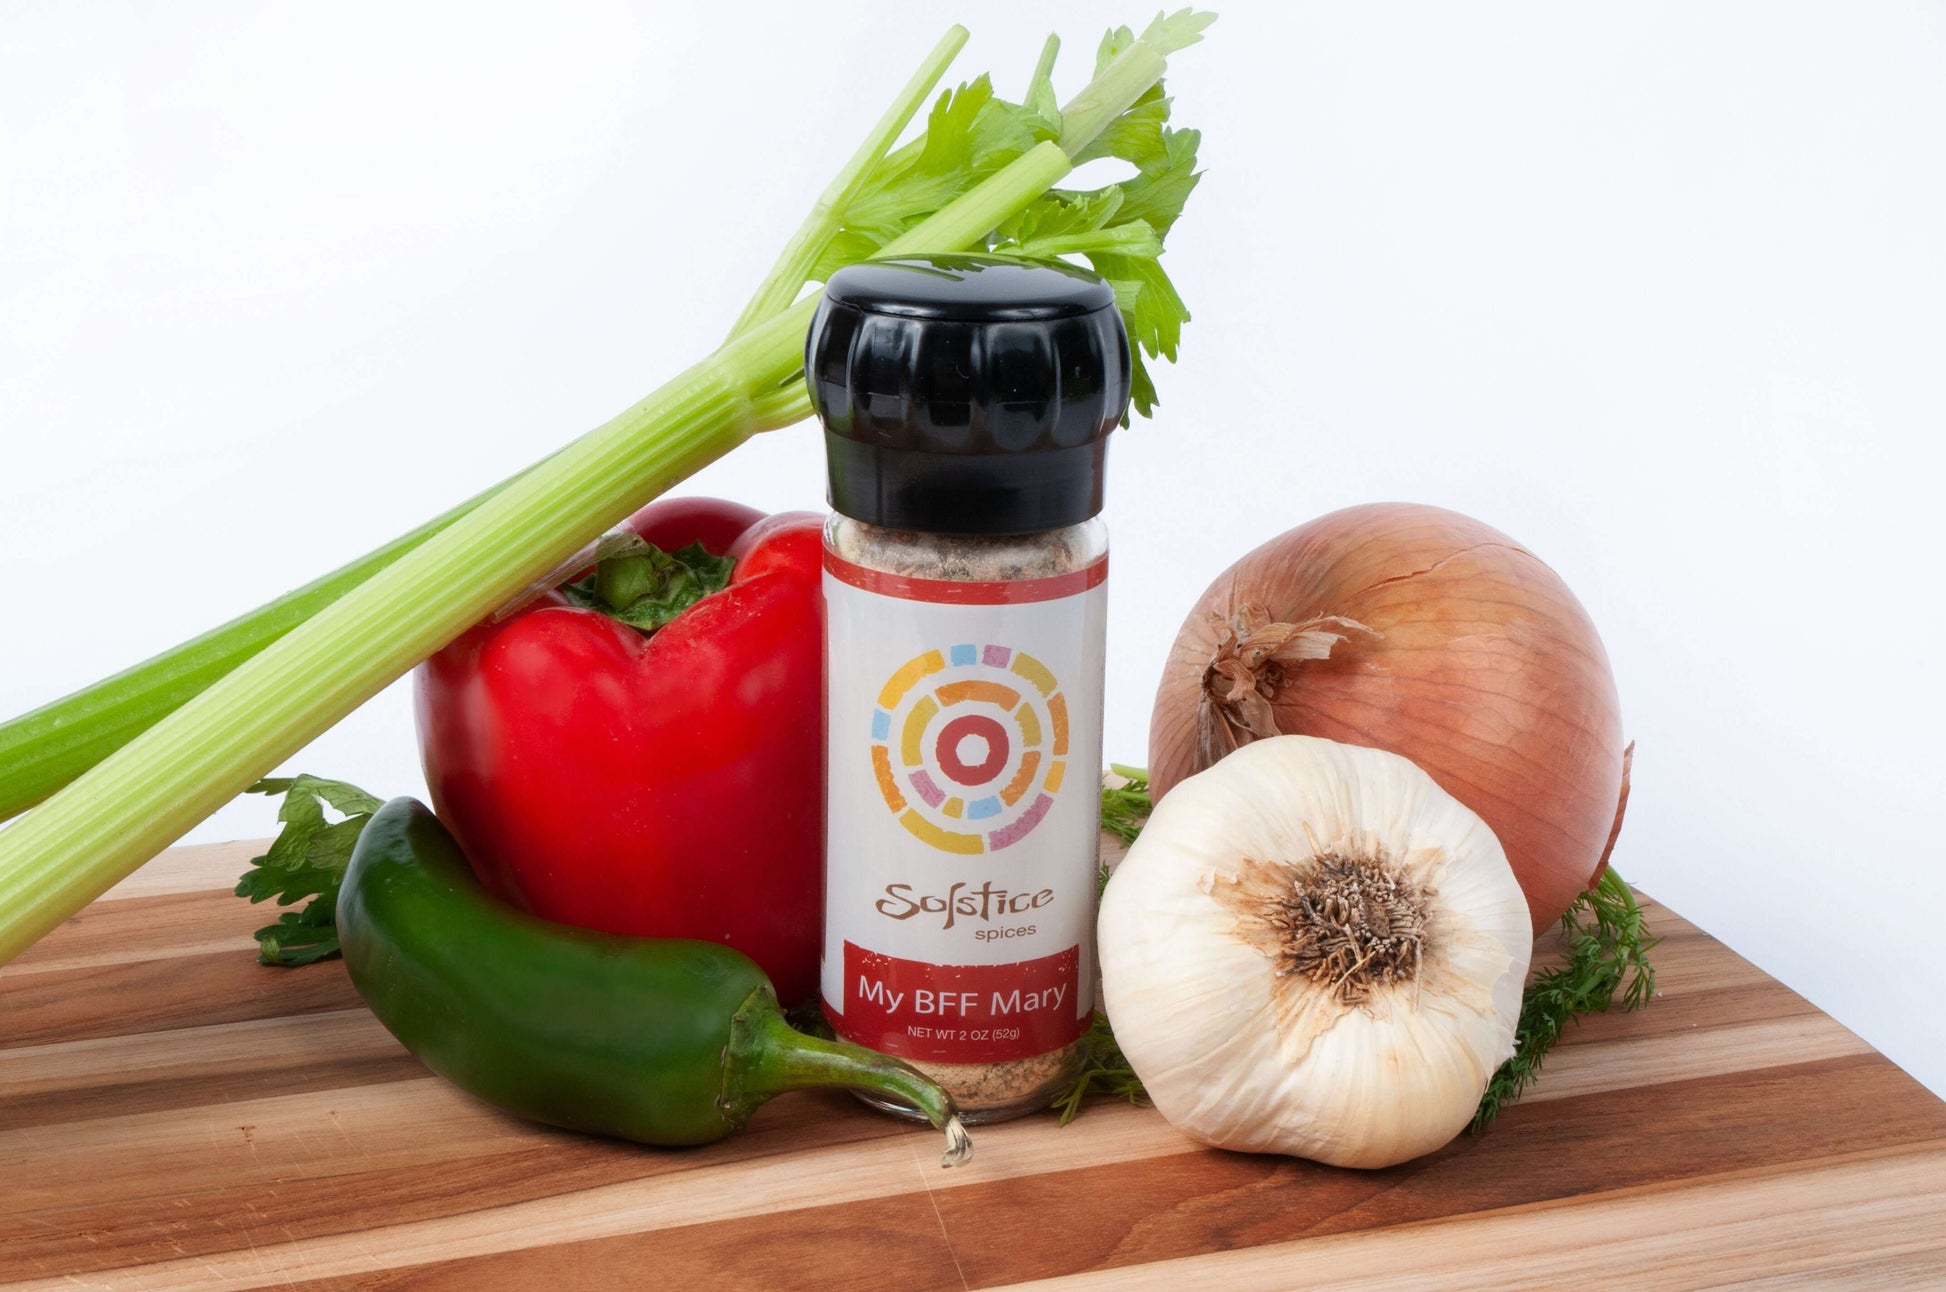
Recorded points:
(666, 783)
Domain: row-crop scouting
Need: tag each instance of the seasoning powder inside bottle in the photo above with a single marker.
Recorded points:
(967, 403)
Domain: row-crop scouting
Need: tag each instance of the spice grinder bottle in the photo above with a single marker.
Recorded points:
(967, 403)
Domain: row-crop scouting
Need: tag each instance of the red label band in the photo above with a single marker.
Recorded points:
(959, 1013)
(952, 592)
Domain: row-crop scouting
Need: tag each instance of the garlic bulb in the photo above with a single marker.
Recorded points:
(1313, 949)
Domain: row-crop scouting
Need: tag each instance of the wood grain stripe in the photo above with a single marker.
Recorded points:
(1595, 1066)
(142, 928)
(157, 995)
(236, 944)
(255, 1141)
(1684, 1012)
(1794, 1226)
(45, 1085)
(886, 1244)
(164, 1224)
(193, 868)
(875, 1169)
(892, 1242)
(1920, 1270)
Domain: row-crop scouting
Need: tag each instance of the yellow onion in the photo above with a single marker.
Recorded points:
(1423, 632)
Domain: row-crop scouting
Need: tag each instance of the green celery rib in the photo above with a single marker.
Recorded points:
(44, 749)
(190, 762)
(69, 850)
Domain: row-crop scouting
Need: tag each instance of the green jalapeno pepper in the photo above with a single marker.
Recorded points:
(661, 1041)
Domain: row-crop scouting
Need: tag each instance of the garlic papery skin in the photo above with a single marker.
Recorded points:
(1312, 949)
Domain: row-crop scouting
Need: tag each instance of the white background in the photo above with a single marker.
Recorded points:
(1659, 289)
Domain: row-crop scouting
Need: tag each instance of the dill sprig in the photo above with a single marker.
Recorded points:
(1125, 807)
(1608, 954)
(1608, 959)
(1103, 1068)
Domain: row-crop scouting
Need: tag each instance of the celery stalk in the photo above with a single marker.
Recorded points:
(45, 748)
(137, 800)
(72, 848)
(42, 750)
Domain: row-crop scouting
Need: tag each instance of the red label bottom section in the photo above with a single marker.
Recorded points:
(959, 1013)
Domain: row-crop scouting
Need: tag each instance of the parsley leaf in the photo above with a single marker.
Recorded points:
(306, 860)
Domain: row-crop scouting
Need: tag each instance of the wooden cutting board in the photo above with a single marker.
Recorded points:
(174, 1115)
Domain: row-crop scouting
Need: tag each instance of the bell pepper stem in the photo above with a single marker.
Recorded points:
(768, 1056)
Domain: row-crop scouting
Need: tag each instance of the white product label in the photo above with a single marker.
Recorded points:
(963, 743)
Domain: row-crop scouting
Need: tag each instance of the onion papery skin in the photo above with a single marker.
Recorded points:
(1477, 663)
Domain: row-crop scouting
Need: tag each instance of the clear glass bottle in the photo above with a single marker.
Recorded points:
(967, 404)
(1014, 1076)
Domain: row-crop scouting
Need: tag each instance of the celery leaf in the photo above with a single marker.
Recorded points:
(970, 135)
(1119, 229)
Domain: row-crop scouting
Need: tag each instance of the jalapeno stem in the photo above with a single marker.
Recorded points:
(768, 1056)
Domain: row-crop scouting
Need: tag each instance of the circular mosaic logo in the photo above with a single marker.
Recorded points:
(969, 745)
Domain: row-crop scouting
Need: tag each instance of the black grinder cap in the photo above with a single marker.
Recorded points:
(967, 394)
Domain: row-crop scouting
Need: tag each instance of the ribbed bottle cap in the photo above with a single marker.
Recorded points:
(967, 394)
